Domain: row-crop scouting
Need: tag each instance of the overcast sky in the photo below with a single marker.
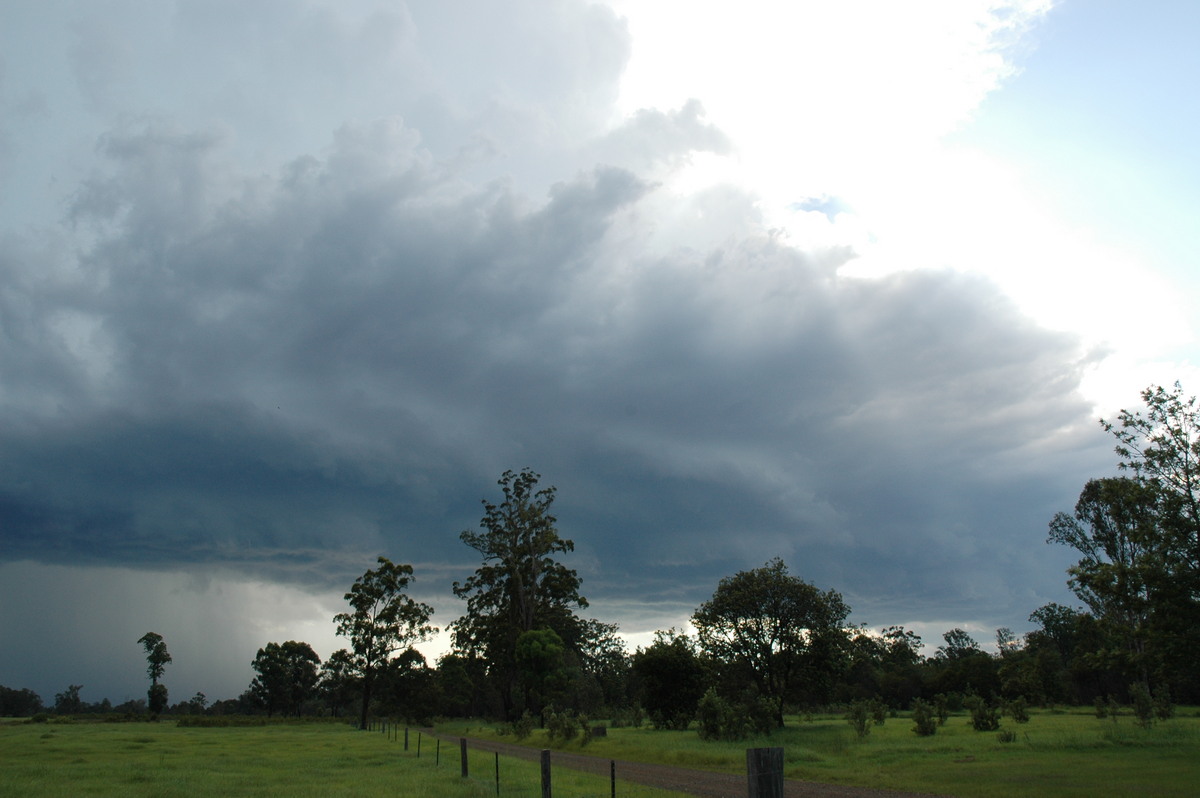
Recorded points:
(285, 286)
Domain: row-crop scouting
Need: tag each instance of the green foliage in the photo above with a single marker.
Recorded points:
(19, 703)
(561, 727)
(1163, 708)
(68, 702)
(720, 719)
(522, 727)
(521, 587)
(780, 630)
(1017, 709)
(157, 699)
(925, 722)
(157, 656)
(671, 678)
(714, 717)
(633, 717)
(859, 718)
(1006, 736)
(984, 715)
(1143, 704)
(941, 707)
(287, 676)
(385, 620)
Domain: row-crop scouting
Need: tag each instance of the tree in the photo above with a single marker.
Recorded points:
(21, 703)
(520, 587)
(338, 684)
(1114, 528)
(68, 702)
(157, 658)
(672, 679)
(962, 667)
(385, 620)
(1160, 447)
(777, 627)
(287, 676)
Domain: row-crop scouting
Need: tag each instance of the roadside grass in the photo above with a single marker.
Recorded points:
(61, 760)
(1059, 753)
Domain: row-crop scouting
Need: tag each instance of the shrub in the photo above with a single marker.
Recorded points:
(941, 706)
(560, 726)
(759, 714)
(985, 717)
(1017, 710)
(859, 716)
(1143, 704)
(1007, 736)
(713, 714)
(924, 718)
(523, 726)
(1101, 708)
(1163, 708)
(633, 716)
(879, 712)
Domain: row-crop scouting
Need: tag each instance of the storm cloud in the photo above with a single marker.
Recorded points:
(276, 368)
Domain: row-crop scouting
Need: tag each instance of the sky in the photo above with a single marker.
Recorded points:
(287, 286)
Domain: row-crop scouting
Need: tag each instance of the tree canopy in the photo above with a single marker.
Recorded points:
(521, 587)
(384, 620)
(776, 626)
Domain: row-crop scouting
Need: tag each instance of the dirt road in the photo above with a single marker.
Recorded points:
(700, 783)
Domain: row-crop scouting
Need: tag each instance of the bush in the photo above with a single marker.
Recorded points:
(633, 717)
(1017, 710)
(985, 717)
(941, 705)
(924, 718)
(1143, 704)
(859, 716)
(522, 727)
(1101, 708)
(1163, 708)
(560, 726)
(1007, 736)
(879, 712)
(713, 714)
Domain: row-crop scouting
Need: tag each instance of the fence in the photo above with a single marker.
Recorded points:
(536, 774)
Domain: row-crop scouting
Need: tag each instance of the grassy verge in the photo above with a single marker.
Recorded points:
(1056, 753)
(165, 760)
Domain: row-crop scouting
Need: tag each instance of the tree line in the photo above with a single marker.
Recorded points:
(767, 642)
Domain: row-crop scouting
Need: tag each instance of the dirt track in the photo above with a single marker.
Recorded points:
(701, 783)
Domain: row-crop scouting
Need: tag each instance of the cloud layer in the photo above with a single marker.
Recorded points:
(280, 366)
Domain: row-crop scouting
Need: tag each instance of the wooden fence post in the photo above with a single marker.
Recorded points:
(405, 738)
(546, 773)
(764, 772)
(462, 746)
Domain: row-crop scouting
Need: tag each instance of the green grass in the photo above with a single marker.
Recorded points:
(1056, 753)
(320, 759)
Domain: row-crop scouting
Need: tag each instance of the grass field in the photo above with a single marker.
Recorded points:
(67, 760)
(1054, 754)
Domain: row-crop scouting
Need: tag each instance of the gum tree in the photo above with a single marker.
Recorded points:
(157, 658)
(385, 620)
(521, 587)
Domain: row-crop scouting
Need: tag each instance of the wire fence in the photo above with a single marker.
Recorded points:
(491, 773)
